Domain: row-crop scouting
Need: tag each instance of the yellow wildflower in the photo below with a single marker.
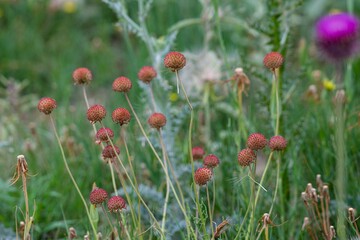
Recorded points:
(329, 85)
(69, 6)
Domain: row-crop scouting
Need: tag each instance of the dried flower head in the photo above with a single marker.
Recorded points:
(98, 196)
(121, 84)
(82, 76)
(277, 143)
(116, 203)
(121, 116)
(146, 74)
(175, 61)
(157, 120)
(202, 175)
(273, 60)
(103, 133)
(109, 153)
(72, 233)
(340, 97)
(211, 161)
(246, 157)
(337, 36)
(96, 113)
(46, 105)
(256, 141)
(198, 153)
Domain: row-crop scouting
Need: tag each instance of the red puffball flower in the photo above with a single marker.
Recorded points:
(98, 196)
(46, 105)
(109, 152)
(157, 120)
(174, 61)
(121, 84)
(116, 203)
(121, 116)
(104, 134)
(246, 157)
(338, 36)
(202, 176)
(211, 161)
(96, 113)
(82, 76)
(197, 153)
(277, 143)
(146, 74)
(256, 141)
(273, 60)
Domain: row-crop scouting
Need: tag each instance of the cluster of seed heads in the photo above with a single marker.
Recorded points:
(99, 196)
(258, 141)
(204, 174)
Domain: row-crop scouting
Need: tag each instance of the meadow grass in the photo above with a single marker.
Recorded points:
(43, 46)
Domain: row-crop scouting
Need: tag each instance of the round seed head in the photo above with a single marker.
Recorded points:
(109, 153)
(82, 76)
(122, 84)
(157, 120)
(46, 105)
(338, 35)
(121, 116)
(273, 60)
(198, 153)
(211, 161)
(103, 133)
(277, 143)
(256, 141)
(146, 74)
(98, 196)
(116, 203)
(96, 113)
(246, 157)
(202, 176)
(175, 61)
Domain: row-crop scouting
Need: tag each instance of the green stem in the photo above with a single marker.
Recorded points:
(72, 178)
(253, 206)
(209, 211)
(122, 136)
(113, 178)
(340, 168)
(160, 161)
(167, 183)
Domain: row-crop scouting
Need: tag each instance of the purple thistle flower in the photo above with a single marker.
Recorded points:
(338, 35)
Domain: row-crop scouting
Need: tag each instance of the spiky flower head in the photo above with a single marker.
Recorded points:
(175, 61)
(146, 74)
(121, 116)
(96, 113)
(109, 153)
(338, 35)
(246, 157)
(211, 161)
(103, 133)
(98, 196)
(121, 84)
(277, 143)
(273, 60)
(256, 141)
(198, 153)
(157, 120)
(82, 76)
(202, 175)
(46, 105)
(116, 203)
